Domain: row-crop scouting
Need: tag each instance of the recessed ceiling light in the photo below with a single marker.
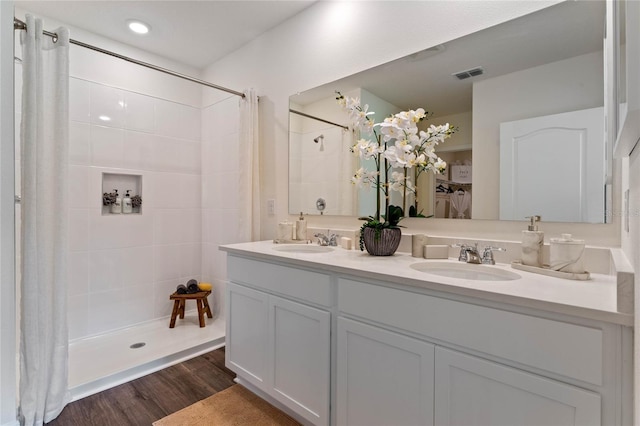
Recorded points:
(138, 27)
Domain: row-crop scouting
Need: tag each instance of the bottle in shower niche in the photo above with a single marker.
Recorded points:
(127, 207)
(116, 207)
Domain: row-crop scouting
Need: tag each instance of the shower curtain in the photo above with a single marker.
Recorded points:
(44, 129)
(249, 168)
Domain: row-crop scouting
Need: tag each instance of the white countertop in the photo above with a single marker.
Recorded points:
(593, 299)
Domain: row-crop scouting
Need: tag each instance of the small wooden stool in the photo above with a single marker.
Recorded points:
(179, 300)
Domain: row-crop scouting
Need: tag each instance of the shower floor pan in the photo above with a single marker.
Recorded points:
(102, 362)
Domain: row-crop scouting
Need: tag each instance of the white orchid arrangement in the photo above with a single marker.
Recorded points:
(396, 143)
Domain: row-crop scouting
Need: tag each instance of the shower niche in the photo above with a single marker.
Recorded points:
(121, 194)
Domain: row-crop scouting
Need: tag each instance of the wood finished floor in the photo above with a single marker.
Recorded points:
(150, 398)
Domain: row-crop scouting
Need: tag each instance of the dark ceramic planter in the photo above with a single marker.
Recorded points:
(385, 244)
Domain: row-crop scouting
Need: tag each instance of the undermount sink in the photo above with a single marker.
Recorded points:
(302, 248)
(465, 271)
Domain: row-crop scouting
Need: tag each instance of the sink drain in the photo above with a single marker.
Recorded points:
(137, 345)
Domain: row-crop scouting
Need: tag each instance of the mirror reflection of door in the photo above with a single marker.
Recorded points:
(573, 177)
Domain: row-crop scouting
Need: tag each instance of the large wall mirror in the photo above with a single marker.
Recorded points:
(527, 97)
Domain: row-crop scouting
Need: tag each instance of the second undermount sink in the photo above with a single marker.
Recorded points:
(465, 271)
(302, 248)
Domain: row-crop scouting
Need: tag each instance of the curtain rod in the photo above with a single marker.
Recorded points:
(316, 118)
(20, 25)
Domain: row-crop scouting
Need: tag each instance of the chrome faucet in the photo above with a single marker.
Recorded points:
(468, 254)
(327, 240)
(487, 254)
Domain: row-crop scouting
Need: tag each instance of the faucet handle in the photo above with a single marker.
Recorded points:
(462, 257)
(487, 254)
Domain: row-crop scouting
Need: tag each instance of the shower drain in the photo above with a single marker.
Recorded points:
(137, 345)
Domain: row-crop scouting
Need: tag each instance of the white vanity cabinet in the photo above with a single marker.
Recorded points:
(279, 345)
(473, 391)
(333, 345)
(383, 378)
(403, 354)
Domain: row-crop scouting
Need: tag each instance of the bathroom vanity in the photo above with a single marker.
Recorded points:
(343, 338)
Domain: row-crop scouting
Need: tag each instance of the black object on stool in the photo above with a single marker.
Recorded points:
(192, 287)
(181, 289)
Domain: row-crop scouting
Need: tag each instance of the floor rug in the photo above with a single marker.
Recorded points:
(235, 406)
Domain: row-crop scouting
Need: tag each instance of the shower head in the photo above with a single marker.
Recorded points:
(319, 138)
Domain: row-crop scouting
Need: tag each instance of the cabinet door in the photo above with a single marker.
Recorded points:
(300, 358)
(246, 341)
(384, 378)
(472, 391)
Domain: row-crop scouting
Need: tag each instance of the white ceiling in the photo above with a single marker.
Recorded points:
(196, 33)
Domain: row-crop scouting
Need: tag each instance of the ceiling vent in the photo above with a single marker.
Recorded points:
(473, 72)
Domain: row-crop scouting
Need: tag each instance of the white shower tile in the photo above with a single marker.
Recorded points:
(166, 190)
(226, 153)
(78, 229)
(79, 143)
(191, 226)
(190, 260)
(190, 157)
(166, 260)
(167, 155)
(206, 226)
(78, 187)
(137, 230)
(207, 161)
(227, 190)
(138, 150)
(137, 305)
(219, 260)
(191, 122)
(106, 311)
(208, 191)
(78, 315)
(105, 270)
(229, 232)
(139, 112)
(137, 266)
(168, 226)
(107, 146)
(79, 100)
(107, 106)
(78, 273)
(169, 118)
(161, 291)
(216, 224)
(226, 116)
(190, 193)
(208, 124)
(105, 232)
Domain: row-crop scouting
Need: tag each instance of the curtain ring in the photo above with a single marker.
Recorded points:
(54, 37)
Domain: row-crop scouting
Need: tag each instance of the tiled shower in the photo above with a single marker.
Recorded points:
(183, 157)
(124, 266)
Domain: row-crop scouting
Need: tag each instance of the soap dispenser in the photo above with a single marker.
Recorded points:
(301, 228)
(126, 203)
(532, 241)
(116, 206)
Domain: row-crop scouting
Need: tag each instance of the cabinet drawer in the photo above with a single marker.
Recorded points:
(305, 285)
(566, 349)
